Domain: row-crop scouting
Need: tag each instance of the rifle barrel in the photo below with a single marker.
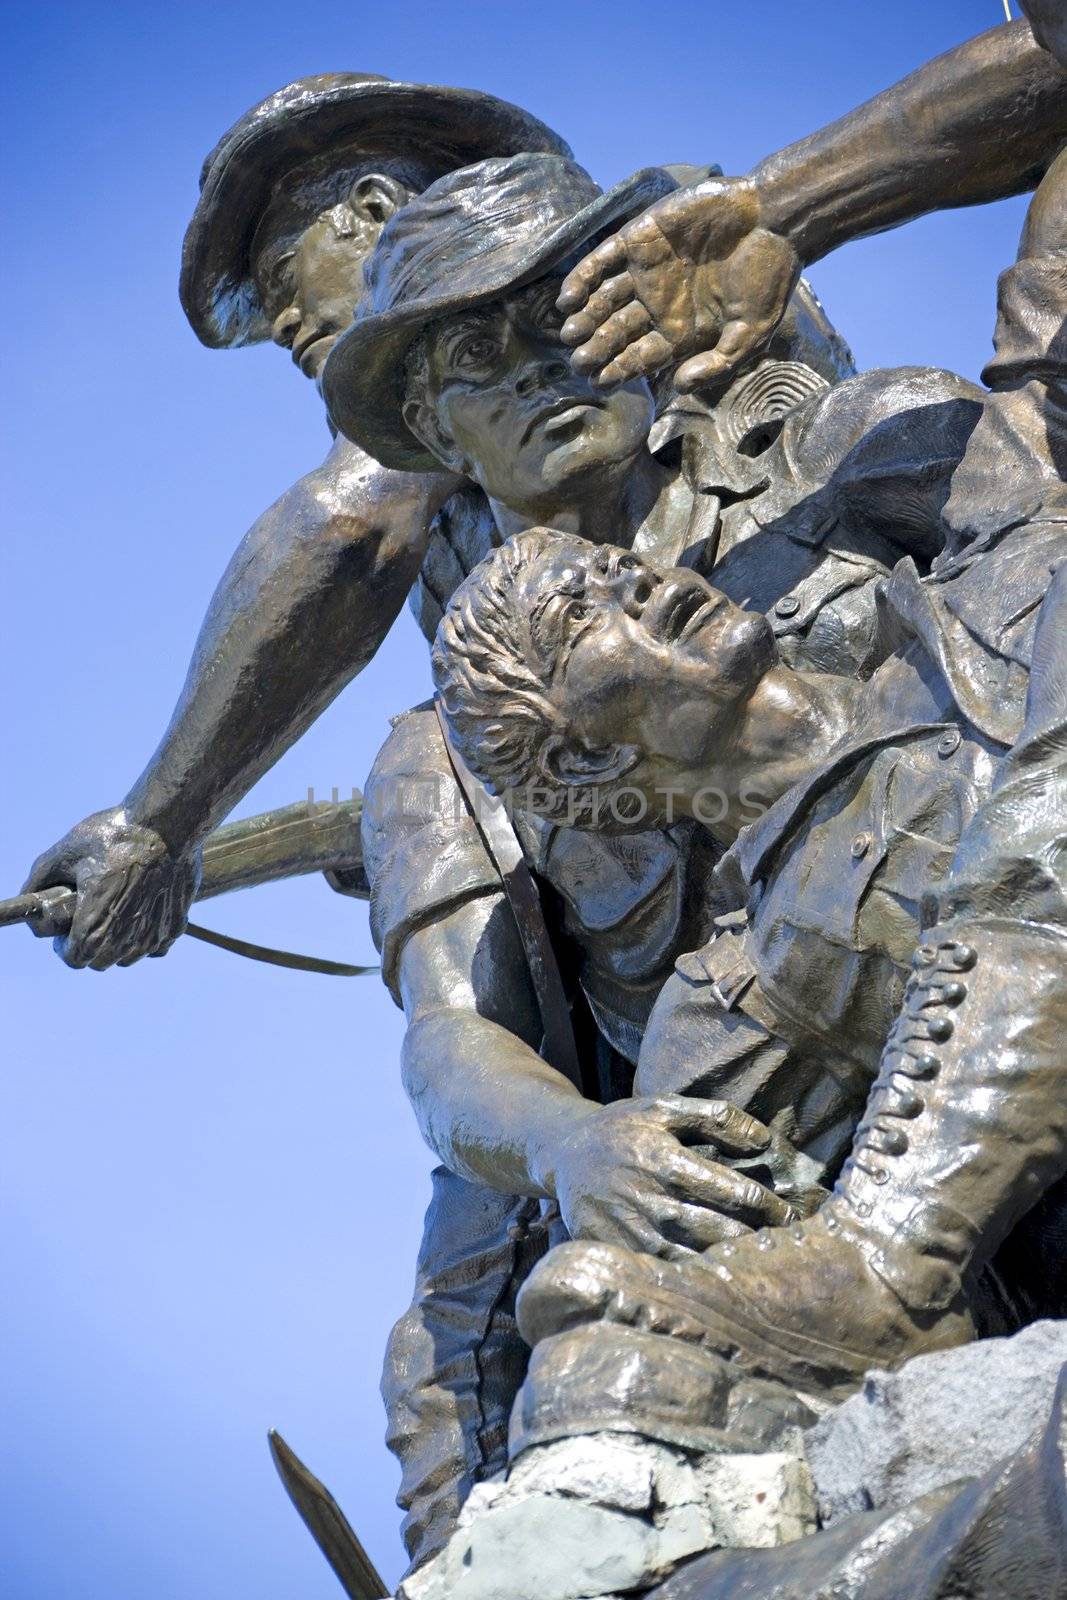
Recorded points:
(21, 908)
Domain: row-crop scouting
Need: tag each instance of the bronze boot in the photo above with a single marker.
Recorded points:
(965, 1129)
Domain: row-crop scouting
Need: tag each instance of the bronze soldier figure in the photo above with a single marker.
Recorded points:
(1006, 526)
(437, 908)
(787, 486)
(843, 459)
(567, 669)
(508, 382)
(292, 199)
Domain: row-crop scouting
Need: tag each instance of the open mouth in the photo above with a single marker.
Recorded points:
(563, 416)
(309, 352)
(702, 615)
(683, 613)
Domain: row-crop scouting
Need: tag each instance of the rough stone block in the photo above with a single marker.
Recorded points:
(604, 1468)
(540, 1547)
(950, 1415)
(611, 1512)
(758, 1501)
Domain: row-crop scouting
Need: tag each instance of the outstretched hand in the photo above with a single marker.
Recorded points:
(133, 894)
(624, 1175)
(698, 279)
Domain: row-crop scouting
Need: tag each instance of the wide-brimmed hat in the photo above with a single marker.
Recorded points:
(472, 237)
(277, 151)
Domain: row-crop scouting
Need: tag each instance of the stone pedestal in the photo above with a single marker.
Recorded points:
(951, 1468)
(612, 1512)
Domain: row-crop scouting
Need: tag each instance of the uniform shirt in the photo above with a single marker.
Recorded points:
(618, 908)
(786, 1009)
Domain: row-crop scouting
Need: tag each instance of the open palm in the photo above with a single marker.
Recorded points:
(695, 280)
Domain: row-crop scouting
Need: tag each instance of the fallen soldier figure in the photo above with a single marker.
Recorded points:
(904, 820)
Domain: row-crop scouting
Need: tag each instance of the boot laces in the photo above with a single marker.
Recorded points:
(933, 990)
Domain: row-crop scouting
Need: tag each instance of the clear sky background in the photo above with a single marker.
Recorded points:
(212, 1185)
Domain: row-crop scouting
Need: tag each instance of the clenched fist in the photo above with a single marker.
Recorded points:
(133, 894)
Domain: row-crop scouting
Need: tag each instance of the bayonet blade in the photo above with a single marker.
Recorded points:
(327, 1524)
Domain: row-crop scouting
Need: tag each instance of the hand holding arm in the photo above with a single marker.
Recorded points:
(496, 1113)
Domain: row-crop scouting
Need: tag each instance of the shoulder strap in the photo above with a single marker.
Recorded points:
(505, 852)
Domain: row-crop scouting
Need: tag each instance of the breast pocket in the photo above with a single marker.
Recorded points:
(932, 795)
(823, 885)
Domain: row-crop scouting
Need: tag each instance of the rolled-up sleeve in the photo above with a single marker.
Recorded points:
(422, 851)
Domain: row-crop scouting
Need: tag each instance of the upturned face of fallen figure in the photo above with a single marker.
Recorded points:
(608, 692)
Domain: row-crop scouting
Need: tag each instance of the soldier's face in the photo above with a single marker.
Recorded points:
(638, 657)
(310, 289)
(523, 423)
(309, 292)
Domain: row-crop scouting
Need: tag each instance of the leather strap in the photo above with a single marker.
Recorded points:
(49, 913)
(276, 958)
(505, 852)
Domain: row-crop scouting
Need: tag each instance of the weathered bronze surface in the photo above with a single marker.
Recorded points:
(702, 279)
(881, 1290)
(767, 658)
(877, 804)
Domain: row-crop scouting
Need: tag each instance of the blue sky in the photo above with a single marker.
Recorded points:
(212, 1185)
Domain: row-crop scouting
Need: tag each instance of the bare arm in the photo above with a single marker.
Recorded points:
(306, 601)
(704, 277)
(977, 124)
(471, 1044)
(496, 1113)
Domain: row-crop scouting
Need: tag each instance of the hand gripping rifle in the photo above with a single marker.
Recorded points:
(311, 836)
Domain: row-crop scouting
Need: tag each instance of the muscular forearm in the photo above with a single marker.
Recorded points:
(487, 1104)
(497, 1114)
(976, 124)
(303, 606)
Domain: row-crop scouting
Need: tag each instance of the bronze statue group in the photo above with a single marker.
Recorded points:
(723, 883)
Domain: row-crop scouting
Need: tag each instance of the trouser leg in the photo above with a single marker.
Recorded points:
(455, 1360)
(1016, 461)
(698, 1043)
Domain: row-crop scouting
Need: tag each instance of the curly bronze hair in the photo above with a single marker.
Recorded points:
(493, 667)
